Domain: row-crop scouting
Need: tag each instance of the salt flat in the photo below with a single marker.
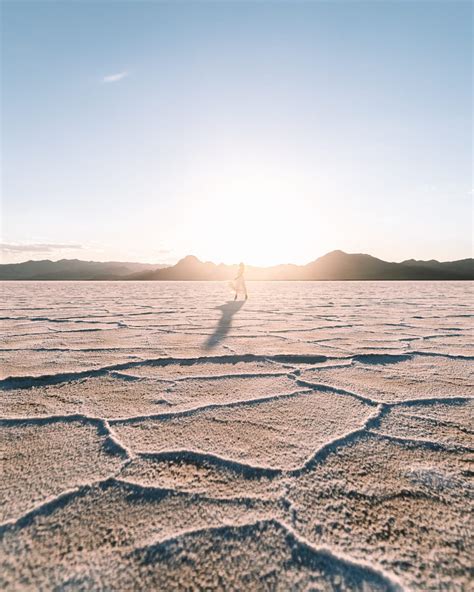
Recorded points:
(155, 435)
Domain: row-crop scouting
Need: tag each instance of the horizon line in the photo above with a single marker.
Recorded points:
(227, 264)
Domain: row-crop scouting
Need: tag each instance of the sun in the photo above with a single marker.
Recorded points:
(255, 217)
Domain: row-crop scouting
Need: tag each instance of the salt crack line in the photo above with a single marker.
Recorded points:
(431, 444)
(203, 377)
(43, 419)
(230, 375)
(332, 366)
(431, 401)
(442, 355)
(310, 329)
(319, 386)
(194, 456)
(102, 426)
(392, 584)
(44, 508)
(208, 407)
(457, 400)
(153, 490)
(54, 502)
(381, 359)
(25, 382)
(114, 440)
(321, 453)
(137, 378)
(438, 422)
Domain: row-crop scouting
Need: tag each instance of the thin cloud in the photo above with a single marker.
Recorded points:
(115, 77)
(35, 247)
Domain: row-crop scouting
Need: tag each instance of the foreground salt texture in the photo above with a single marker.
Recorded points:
(156, 436)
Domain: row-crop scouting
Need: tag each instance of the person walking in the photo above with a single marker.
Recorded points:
(239, 282)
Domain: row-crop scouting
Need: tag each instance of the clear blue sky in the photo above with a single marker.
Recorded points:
(266, 132)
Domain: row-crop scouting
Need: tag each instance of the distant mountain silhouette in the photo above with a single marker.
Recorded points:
(336, 265)
(463, 266)
(189, 268)
(71, 269)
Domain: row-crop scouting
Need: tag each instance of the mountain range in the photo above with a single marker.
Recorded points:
(335, 265)
(72, 269)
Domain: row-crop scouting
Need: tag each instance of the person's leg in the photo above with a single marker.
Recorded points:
(235, 297)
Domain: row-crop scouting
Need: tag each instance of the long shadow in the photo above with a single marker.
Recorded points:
(225, 322)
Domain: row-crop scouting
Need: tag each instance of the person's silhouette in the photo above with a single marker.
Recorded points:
(239, 282)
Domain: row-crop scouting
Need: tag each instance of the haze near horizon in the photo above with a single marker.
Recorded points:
(269, 132)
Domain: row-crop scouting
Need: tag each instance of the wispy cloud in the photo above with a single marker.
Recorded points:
(115, 77)
(35, 247)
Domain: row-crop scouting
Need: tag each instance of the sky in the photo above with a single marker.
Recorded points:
(264, 132)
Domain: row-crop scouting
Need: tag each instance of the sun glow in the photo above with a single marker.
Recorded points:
(260, 217)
